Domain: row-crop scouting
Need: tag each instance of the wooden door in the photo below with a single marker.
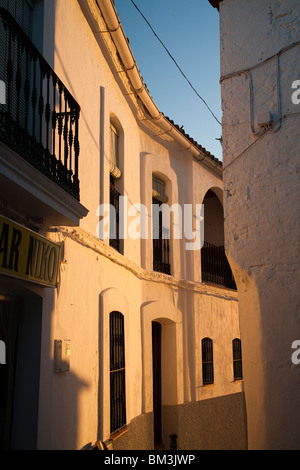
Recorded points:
(156, 357)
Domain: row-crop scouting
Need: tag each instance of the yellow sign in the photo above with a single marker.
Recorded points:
(27, 255)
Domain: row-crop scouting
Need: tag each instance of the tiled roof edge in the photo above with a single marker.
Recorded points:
(202, 149)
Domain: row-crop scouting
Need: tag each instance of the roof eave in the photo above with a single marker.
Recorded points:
(114, 28)
(215, 3)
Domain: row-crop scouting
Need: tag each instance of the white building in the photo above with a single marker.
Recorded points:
(260, 69)
(134, 342)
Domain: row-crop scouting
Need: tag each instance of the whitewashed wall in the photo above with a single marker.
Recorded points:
(261, 182)
(95, 280)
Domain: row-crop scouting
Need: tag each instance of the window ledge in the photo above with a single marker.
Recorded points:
(115, 435)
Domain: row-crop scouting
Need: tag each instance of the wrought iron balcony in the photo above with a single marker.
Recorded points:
(215, 267)
(40, 118)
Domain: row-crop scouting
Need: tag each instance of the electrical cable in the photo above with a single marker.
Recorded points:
(175, 62)
(260, 135)
(240, 72)
(271, 128)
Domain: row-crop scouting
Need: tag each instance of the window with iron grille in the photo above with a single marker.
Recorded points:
(159, 189)
(161, 235)
(237, 359)
(207, 361)
(117, 372)
(115, 187)
(161, 246)
(114, 236)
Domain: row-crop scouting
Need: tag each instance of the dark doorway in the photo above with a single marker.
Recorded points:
(156, 360)
(9, 329)
(20, 330)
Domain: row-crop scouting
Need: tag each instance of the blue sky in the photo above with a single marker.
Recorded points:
(190, 31)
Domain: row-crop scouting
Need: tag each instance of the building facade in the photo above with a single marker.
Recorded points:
(261, 142)
(115, 335)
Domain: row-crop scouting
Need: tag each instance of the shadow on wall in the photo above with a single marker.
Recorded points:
(60, 392)
(39, 408)
(251, 329)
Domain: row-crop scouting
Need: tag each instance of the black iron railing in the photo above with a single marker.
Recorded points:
(161, 256)
(215, 267)
(40, 118)
(114, 237)
(117, 372)
(161, 245)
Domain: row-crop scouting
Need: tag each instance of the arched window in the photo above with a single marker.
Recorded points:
(237, 359)
(207, 361)
(117, 372)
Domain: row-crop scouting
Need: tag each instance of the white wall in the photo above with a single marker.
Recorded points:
(95, 279)
(261, 203)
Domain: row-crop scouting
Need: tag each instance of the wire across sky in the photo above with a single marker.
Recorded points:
(175, 62)
(164, 33)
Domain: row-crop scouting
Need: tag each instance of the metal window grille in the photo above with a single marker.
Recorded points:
(117, 372)
(207, 361)
(158, 185)
(114, 237)
(237, 359)
(161, 246)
